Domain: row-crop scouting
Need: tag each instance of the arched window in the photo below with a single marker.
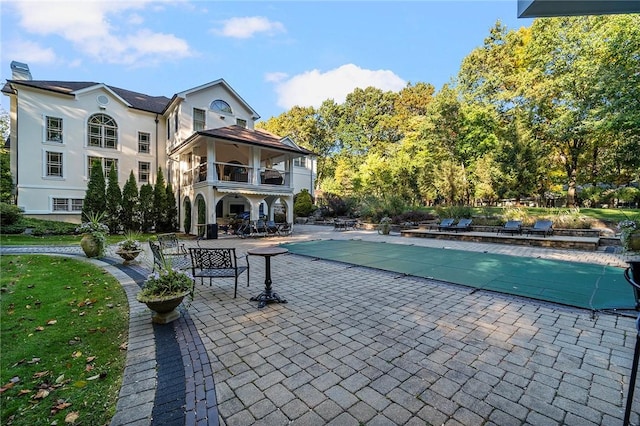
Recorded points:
(102, 131)
(220, 106)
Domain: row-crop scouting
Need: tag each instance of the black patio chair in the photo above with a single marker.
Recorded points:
(170, 245)
(462, 225)
(272, 228)
(543, 226)
(217, 263)
(511, 227)
(445, 224)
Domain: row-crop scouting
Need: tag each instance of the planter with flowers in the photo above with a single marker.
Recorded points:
(630, 233)
(94, 235)
(164, 290)
(130, 247)
(384, 227)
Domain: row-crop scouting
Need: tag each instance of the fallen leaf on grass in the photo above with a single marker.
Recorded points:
(39, 328)
(61, 404)
(34, 361)
(88, 368)
(91, 358)
(123, 347)
(42, 393)
(40, 374)
(24, 392)
(71, 417)
(76, 354)
(60, 379)
(52, 322)
(9, 385)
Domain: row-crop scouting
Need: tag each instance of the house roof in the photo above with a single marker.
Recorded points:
(240, 134)
(155, 104)
(221, 82)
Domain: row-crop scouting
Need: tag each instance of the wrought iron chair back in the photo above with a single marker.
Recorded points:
(158, 258)
(217, 263)
(170, 245)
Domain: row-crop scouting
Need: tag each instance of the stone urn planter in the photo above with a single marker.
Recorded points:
(92, 247)
(164, 291)
(165, 309)
(632, 241)
(128, 255)
(94, 235)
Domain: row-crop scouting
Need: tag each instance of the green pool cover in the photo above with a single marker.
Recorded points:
(582, 285)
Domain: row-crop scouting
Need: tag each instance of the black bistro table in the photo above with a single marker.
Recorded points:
(268, 295)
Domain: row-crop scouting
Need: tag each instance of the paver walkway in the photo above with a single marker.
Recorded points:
(359, 346)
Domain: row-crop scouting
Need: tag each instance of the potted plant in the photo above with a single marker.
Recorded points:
(630, 233)
(384, 227)
(164, 290)
(130, 247)
(94, 235)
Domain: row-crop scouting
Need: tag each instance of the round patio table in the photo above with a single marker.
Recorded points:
(268, 295)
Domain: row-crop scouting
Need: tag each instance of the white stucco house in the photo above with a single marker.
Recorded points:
(203, 139)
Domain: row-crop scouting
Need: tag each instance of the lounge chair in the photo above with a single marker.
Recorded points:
(511, 227)
(544, 227)
(445, 224)
(462, 225)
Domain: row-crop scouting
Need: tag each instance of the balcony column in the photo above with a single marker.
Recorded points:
(254, 163)
(212, 173)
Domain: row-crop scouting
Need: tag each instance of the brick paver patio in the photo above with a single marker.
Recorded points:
(359, 346)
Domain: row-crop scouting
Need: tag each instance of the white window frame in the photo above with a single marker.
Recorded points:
(59, 204)
(300, 162)
(141, 171)
(68, 205)
(102, 134)
(104, 161)
(142, 142)
(221, 106)
(241, 122)
(53, 134)
(76, 204)
(199, 124)
(48, 165)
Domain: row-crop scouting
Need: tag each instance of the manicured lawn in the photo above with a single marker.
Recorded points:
(64, 332)
(58, 240)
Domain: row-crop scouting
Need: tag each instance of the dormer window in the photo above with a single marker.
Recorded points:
(220, 106)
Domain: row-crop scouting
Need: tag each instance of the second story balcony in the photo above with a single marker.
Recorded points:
(238, 175)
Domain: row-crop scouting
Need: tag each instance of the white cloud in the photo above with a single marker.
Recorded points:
(249, 26)
(275, 77)
(88, 26)
(29, 52)
(313, 87)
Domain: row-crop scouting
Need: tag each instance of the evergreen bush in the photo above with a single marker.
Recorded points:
(10, 214)
(303, 204)
(95, 199)
(113, 217)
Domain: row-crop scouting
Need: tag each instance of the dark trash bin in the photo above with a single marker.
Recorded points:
(212, 231)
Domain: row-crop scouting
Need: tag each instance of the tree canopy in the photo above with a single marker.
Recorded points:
(535, 112)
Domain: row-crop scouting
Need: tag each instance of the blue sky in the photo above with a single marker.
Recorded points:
(275, 54)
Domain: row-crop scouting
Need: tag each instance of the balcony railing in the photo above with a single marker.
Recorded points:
(231, 172)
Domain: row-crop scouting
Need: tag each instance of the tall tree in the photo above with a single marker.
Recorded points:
(114, 201)
(160, 204)
(95, 199)
(560, 93)
(6, 179)
(172, 209)
(130, 204)
(147, 219)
